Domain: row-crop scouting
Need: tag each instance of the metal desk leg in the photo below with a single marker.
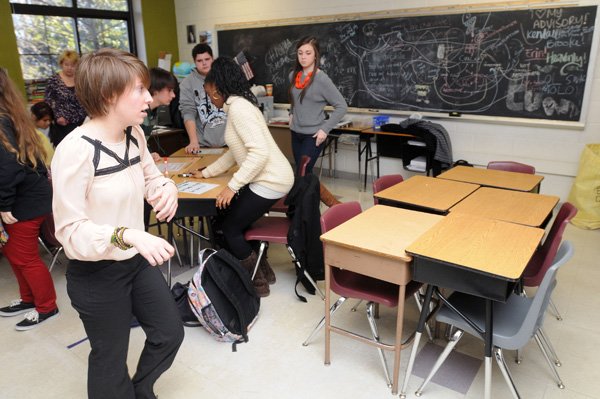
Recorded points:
(420, 328)
(170, 240)
(489, 328)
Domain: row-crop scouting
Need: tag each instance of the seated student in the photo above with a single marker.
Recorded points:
(264, 174)
(102, 171)
(42, 118)
(162, 90)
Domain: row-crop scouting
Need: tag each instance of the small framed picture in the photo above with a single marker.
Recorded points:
(191, 33)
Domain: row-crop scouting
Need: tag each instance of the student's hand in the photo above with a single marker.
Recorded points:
(192, 147)
(8, 218)
(155, 156)
(62, 121)
(154, 249)
(320, 137)
(224, 198)
(164, 201)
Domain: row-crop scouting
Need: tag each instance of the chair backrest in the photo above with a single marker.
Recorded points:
(545, 254)
(304, 161)
(511, 166)
(47, 231)
(338, 214)
(384, 182)
(539, 304)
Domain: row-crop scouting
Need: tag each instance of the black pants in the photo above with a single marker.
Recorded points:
(58, 132)
(106, 294)
(245, 209)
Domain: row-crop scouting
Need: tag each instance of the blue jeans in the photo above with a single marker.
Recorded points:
(305, 144)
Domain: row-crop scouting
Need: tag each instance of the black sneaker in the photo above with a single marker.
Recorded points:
(33, 319)
(16, 307)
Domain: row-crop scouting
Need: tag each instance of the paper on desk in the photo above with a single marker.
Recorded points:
(192, 187)
(171, 166)
(209, 151)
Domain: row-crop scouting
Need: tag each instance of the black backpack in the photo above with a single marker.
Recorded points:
(222, 297)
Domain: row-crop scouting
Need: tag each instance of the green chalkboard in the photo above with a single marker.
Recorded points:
(519, 63)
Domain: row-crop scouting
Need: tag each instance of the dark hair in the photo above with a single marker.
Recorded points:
(159, 79)
(228, 78)
(297, 67)
(42, 109)
(201, 49)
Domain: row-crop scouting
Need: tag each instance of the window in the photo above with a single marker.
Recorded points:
(44, 28)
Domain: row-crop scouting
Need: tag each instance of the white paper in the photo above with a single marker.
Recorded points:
(211, 151)
(171, 166)
(195, 187)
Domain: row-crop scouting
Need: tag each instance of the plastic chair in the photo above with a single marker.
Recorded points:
(515, 322)
(385, 182)
(543, 256)
(348, 284)
(280, 205)
(47, 232)
(511, 166)
(275, 230)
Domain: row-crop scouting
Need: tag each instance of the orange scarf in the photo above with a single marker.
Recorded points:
(300, 84)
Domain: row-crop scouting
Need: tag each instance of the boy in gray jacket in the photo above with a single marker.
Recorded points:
(204, 123)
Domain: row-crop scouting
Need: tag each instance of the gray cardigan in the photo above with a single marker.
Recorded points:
(309, 115)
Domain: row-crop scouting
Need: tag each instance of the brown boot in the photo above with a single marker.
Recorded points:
(260, 283)
(327, 197)
(266, 269)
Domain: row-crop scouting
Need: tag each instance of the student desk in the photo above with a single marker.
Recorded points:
(365, 136)
(372, 244)
(474, 255)
(511, 206)
(190, 205)
(426, 194)
(494, 178)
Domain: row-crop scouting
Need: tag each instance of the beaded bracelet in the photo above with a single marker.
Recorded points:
(117, 239)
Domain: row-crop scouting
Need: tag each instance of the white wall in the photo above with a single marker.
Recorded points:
(553, 151)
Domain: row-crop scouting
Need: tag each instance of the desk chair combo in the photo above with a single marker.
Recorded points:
(515, 322)
(348, 284)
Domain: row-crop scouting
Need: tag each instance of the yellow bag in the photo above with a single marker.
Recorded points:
(585, 193)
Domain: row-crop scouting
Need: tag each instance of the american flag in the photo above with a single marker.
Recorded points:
(244, 64)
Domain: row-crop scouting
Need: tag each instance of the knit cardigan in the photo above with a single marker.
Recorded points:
(252, 147)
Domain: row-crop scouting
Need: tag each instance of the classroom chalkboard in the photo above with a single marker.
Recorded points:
(520, 63)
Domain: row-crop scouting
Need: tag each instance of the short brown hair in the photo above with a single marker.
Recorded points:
(68, 55)
(104, 75)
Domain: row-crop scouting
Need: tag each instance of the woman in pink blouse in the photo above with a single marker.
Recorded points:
(101, 174)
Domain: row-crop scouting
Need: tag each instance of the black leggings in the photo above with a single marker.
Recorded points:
(245, 209)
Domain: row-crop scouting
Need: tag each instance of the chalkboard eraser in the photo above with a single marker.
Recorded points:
(455, 114)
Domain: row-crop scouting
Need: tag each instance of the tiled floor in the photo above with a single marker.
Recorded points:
(274, 364)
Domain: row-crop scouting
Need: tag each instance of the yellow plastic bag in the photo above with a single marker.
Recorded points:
(585, 193)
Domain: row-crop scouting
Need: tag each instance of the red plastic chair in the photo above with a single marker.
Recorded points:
(275, 230)
(544, 256)
(280, 206)
(47, 231)
(348, 284)
(511, 166)
(385, 182)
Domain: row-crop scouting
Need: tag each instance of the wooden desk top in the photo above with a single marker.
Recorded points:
(485, 245)
(194, 163)
(511, 206)
(372, 131)
(382, 230)
(493, 178)
(428, 192)
(166, 130)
